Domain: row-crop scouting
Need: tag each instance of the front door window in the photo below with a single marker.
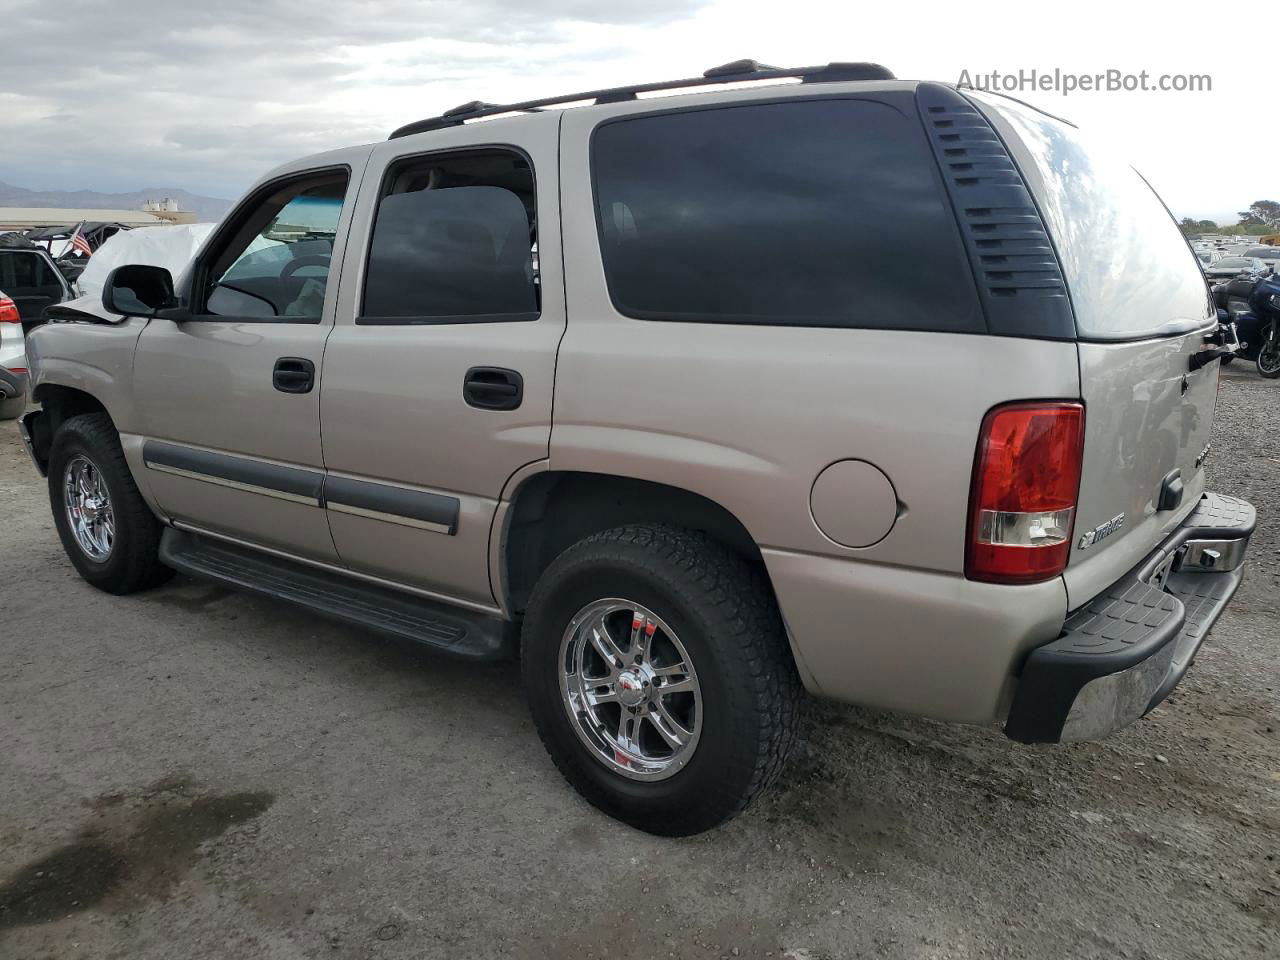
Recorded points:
(277, 263)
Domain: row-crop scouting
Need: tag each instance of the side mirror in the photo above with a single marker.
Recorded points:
(138, 290)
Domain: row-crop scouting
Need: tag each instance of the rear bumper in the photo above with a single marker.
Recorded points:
(12, 384)
(1121, 654)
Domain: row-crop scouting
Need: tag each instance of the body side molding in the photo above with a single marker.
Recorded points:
(253, 476)
(379, 501)
(362, 498)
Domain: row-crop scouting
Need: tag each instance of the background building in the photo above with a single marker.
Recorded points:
(24, 218)
(167, 209)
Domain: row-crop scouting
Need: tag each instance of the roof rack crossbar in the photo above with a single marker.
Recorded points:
(736, 72)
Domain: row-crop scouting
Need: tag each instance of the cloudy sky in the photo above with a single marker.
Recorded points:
(125, 94)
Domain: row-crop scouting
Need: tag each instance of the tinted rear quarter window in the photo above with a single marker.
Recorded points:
(1129, 270)
(824, 212)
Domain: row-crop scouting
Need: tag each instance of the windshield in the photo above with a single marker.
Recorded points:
(1235, 262)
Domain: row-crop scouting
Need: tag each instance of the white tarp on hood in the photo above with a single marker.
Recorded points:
(171, 247)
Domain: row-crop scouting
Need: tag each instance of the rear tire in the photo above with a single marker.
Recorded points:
(714, 610)
(110, 535)
(12, 408)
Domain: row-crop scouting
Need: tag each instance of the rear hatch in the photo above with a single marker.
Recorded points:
(1142, 311)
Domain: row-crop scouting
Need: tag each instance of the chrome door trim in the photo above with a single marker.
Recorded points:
(390, 518)
(232, 484)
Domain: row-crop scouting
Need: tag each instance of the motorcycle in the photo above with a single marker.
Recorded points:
(1249, 313)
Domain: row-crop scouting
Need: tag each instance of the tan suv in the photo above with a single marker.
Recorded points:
(882, 390)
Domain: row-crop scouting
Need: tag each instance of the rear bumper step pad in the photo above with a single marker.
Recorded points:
(1123, 652)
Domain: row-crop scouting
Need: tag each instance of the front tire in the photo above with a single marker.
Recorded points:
(109, 533)
(1269, 359)
(659, 677)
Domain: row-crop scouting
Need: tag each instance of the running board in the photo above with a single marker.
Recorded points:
(451, 630)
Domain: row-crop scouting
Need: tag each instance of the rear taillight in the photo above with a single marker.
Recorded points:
(1026, 480)
(8, 311)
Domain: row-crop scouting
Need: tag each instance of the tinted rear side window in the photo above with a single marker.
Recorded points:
(454, 241)
(818, 212)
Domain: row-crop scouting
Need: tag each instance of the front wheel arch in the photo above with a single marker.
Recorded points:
(132, 561)
(57, 405)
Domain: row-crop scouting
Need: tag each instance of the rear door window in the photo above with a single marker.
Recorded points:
(23, 272)
(454, 241)
(46, 276)
(1129, 270)
(826, 212)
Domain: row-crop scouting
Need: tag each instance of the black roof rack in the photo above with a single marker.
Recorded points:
(735, 72)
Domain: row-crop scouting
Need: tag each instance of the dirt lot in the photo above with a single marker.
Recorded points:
(194, 773)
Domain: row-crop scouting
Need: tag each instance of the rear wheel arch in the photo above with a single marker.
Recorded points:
(553, 510)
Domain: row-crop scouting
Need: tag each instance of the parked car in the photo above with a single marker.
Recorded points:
(1267, 254)
(171, 247)
(684, 477)
(31, 278)
(13, 360)
(1230, 267)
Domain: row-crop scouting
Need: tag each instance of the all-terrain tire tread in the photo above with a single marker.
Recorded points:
(743, 602)
(141, 563)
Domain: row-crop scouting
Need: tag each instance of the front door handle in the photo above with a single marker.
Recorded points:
(293, 375)
(493, 388)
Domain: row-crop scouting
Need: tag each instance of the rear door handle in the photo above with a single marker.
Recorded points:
(293, 375)
(493, 388)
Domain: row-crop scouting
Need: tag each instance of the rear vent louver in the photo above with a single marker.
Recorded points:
(1013, 260)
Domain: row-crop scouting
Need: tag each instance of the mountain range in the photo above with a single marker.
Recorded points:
(205, 208)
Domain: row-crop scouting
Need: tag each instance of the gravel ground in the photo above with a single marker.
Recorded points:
(195, 773)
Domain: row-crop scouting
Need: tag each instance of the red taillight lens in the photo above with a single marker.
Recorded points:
(1025, 483)
(9, 311)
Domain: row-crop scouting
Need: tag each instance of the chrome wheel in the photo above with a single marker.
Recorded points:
(88, 506)
(630, 689)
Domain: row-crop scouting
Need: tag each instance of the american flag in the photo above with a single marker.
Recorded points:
(78, 242)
